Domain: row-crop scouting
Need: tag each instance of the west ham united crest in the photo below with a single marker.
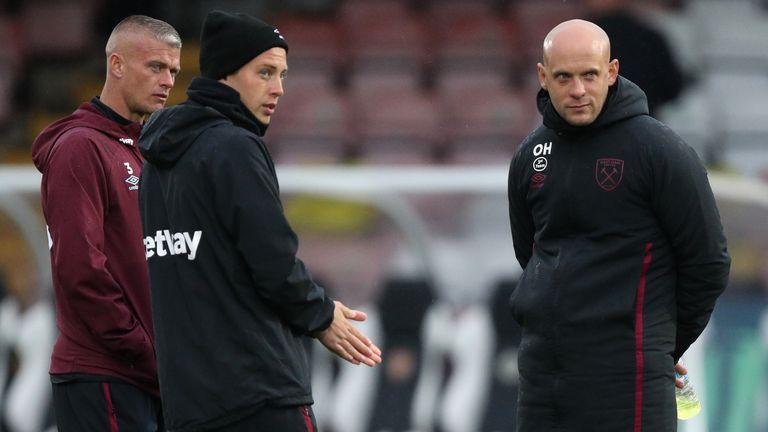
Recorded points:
(608, 173)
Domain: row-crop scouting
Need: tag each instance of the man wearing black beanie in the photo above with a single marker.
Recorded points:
(233, 305)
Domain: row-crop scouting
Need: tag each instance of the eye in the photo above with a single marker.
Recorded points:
(283, 74)
(155, 67)
(265, 73)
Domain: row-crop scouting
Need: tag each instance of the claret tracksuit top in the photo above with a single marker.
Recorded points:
(616, 228)
(91, 166)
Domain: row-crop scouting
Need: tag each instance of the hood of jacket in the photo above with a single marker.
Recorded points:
(170, 131)
(624, 100)
(86, 115)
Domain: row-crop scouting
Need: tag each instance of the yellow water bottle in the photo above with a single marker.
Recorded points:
(688, 404)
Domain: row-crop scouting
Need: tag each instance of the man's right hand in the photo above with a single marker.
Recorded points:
(347, 342)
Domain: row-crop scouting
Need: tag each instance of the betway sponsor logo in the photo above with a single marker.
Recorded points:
(164, 242)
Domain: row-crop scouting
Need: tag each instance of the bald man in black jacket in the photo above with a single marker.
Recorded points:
(624, 256)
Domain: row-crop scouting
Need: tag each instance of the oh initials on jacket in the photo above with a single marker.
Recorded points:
(542, 149)
(539, 151)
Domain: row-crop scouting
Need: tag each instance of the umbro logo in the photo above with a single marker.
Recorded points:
(133, 181)
(277, 32)
(537, 180)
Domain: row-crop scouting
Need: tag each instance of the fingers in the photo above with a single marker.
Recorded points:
(679, 383)
(681, 371)
(359, 336)
(363, 344)
(350, 350)
(371, 354)
(377, 351)
(361, 348)
(346, 341)
(357, 315)
(351, 314)
(349, 354)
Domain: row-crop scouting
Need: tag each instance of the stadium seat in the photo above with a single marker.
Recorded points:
(535, 19)
(678, 28)
(485, 119)
(312, 122)
(395, 120)
(691, 117)
(731, 48)
(385, 36)
(381, 83)
(471, 38)
(316, 45)
(398, 128)
(6, 91)
(11, 44)
(739, 117)
(57, 29)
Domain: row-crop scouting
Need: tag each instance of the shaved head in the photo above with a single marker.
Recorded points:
(576, 70)
(576, 35)
(134, 25)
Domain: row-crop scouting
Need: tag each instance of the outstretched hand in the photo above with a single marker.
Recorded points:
(346, 341)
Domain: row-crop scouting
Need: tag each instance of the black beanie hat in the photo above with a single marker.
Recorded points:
(230, 40)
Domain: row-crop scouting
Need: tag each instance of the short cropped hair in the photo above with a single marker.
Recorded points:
(156, 28)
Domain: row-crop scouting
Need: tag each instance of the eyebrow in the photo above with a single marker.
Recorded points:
(274, 68)
(164, 64)
(557, 72)
(271, 66)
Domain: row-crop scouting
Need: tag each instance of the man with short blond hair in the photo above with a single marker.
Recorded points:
(103, 366)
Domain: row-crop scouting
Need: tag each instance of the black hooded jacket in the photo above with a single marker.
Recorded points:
(624, 256)
(232, 304)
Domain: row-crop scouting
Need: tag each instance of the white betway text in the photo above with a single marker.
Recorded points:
(164, 242)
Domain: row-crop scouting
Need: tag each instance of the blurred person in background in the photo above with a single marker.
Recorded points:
(103, 366)
(616, 227)
(233, 306)
(27, 332)
(644, 52)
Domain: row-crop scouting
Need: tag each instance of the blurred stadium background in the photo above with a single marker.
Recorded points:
(393, 141)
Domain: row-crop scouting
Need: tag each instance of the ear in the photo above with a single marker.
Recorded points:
(115, 65)
(613, 71)
(542, 73)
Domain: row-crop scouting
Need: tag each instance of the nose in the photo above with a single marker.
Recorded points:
(277, 87)
(577, 89)
(167, 79)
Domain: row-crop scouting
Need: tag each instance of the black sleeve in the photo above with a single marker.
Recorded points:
(686, 208)
(520, 217)
(248, 204)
